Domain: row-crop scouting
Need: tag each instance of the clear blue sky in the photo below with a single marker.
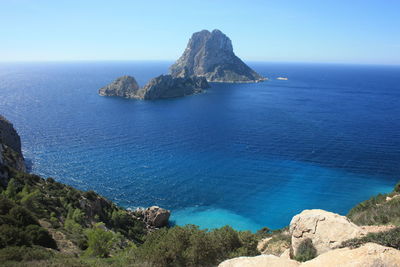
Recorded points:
(350, 31)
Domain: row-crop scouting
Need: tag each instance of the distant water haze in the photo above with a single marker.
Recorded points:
(247, 155)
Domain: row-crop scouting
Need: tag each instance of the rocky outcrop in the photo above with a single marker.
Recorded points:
(210, 54)
(10, 150)
(166, 86)
(326, 230)
(163, 86)
(9, 136)
(368, 255)
(125, 86)
(156, 217)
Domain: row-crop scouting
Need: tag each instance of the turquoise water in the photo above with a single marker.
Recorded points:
(247, 155)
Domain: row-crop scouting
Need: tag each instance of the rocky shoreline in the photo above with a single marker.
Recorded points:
(326, 233)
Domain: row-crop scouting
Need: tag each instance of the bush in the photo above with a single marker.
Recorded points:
(100, 242)
(24, 254)
(389, 238)
(306, 251)
(5, 205)
(190, 246)
(377, 211)
(397, 188)
(13, 236)
(22, 216)
(39, 236)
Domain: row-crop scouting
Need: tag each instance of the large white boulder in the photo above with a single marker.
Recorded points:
(326, 230)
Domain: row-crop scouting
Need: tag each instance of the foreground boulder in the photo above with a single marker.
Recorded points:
(125, 86)
(259, 261)
(326, 230)
(156, 217)
(210, 54)
(368, 255)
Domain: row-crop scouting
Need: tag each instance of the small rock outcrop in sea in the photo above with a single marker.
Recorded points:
(326, 230)
(156, 216)
(10, 150)
(210, 54)
(163, 86)
(125, 86)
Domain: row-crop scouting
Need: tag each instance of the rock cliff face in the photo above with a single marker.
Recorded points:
(163, 86)
(210, 54)
(166, 86)
(10, 150)
(125, 86)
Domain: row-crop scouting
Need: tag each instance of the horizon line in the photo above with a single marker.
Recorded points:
(171, 60)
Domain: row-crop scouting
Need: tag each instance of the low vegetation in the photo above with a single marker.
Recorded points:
(378, 210)
(389, 238)
(279, 241)
(39, 216)
(306, 251)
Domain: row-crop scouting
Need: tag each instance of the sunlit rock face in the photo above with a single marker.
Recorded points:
(210, 54)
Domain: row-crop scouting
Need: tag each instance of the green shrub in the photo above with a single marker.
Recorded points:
(39, 236)
(13, 236)
(306, 251)
(377, 210)
(100, 242)
(78, 216)
(22, 216)
(11, 191)
(190, 246)
(24, 254)
(389, 238)
(5, 205)
(397, 188)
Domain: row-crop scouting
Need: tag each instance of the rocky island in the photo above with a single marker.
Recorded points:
(163, 86)
(125, 86)
(208, 57)
(210, 54)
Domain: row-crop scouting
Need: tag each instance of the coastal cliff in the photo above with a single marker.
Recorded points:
(43, 222)
(10, 150)
(161, 87)
(210, 55)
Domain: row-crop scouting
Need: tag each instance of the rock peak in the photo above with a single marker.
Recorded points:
(210, 54)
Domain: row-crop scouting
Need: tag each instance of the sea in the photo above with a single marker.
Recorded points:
(246, 155)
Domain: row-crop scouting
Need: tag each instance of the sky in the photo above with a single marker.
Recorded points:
(337, 31)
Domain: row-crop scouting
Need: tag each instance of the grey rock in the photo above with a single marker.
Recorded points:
(125, 86)
(9, 136)
(210, 54)
(166, 86)
(163, 86)
(156, 216)
(10, 150)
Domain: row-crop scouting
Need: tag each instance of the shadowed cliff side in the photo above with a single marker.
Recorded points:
(10, 150)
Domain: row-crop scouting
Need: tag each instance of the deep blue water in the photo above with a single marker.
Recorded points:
(248, 155)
